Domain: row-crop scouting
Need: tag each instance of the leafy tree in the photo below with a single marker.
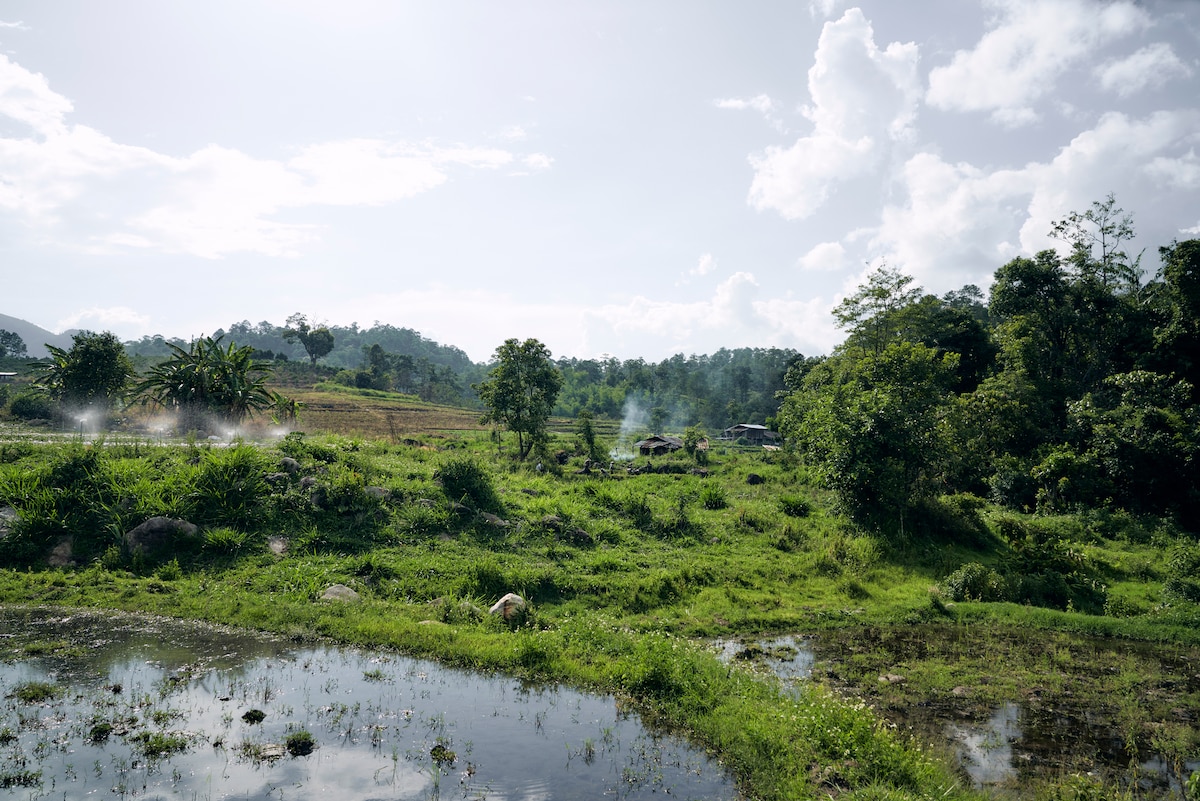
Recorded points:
(871, 424)
(317, 342)
(209, 379)
(93, 373)
(520, 391)
(871, 312)
(586, 430)
(1103, 226)
(11, 344)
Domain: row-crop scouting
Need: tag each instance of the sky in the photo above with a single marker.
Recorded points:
(627, 177)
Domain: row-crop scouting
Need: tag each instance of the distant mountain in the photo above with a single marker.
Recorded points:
(35, 337)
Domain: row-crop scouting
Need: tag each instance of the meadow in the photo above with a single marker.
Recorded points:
(630, 577)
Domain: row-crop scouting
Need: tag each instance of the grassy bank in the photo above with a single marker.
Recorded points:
(624, 574)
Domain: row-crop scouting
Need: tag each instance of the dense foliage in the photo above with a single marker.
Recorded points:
(1072, 389)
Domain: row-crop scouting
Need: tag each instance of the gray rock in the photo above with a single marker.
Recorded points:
(289, 465)
(339, 592)
(158, 533)
(8, 519)
(509, 607)
(62, 554)
(382, 493)
(493, 520)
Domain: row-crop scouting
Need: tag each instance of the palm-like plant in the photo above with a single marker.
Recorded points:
(209, 379)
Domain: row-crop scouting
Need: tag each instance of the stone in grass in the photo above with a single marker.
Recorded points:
(509, 607)
(339, 592)
(158, 533)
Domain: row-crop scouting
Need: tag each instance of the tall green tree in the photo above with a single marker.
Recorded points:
(316, 340)
(94, 372)
(520, 391)
(11, 344)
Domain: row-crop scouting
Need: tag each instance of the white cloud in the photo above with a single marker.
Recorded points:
(1148, 68)
(824, 8)
(1181, 173)
(1031, 44)
(104, 319)
(705, 265)
(514, 133)
(827, 256)
(20, 26)
(1115, 152)
(27, 97)
(537, 161)
(211, 203)
(959, 222)
(862, 98)
(763, 104)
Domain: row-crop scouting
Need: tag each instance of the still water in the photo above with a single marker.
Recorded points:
(128, 691)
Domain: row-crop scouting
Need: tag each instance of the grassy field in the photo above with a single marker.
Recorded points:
(628, 576)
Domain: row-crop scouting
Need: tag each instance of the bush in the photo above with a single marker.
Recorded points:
(300, 743)
(795, 506)
(713, 497)
(31, 406)
(974, 582)
(465, 481)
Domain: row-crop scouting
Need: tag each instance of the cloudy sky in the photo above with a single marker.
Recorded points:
(627, 177)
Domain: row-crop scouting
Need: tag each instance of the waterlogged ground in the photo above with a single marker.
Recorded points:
(108, 705)
(1014, 708)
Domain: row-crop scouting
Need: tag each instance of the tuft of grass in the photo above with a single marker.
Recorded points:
(36, 692)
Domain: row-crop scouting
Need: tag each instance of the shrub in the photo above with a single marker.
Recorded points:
(31, 406)
(974, 582)
(230, 487)
(465, 481)
(300, 743)
(712, 496)
(224, 540)
(795, 506)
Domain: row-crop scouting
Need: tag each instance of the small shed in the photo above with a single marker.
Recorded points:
(658, 445)
(754, 434)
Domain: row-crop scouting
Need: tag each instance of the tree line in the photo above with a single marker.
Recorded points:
(1072, 385)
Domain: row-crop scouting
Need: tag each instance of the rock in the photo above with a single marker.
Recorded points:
(553, 522)
(308, 482)
(289, 465)
(577, 536)
(62, 555)
(892, 678)
(960, 692)
(277, 479)
(339, 592)
(278, 545)
(382, 493)
(492, 520)
(158, 533)
(8, 519)
(755, 478)
(509, 606)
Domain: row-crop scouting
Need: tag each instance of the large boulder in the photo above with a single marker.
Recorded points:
(158, 534)
(509, 607)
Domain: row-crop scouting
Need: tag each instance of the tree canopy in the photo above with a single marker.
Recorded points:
(93, 373)
(520, 391)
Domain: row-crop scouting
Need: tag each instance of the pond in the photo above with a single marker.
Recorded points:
(113, 705)
(1012, 707)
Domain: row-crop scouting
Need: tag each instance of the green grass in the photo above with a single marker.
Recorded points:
(624, 575)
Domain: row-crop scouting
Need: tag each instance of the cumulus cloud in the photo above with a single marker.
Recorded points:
(1148, 68)
(210, 203)
(537, 161)
(104, 319)
(763, 104)
(705, 265)
(862, 99)
(958, 222)
(824, 8)
(827, 256)
(1030, 45)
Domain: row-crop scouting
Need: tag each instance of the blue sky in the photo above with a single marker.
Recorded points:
(631, 178)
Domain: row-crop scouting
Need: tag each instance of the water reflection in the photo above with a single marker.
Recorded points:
(386, 726)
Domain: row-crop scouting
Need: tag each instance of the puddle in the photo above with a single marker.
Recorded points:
(1039, 732)
(383, 726)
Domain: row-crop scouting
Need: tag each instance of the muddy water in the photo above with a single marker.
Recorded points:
(1013, 708)
(384, 726)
